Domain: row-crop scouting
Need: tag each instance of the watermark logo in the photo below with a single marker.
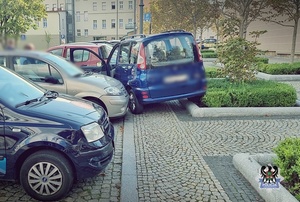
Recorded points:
(269, 177)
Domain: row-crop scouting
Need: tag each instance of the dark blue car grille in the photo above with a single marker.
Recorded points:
(104, 123)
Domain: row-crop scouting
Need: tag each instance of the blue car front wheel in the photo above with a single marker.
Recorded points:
(134, 105)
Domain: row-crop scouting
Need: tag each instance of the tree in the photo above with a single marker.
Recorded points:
(48, 38)
(290, 9)
(189, 15)
(240, 13)
(18, 16)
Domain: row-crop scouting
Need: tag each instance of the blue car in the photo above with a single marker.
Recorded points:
(49, 140)
(157, 68)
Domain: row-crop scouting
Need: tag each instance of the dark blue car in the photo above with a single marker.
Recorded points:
(49, 140)
(157, 68)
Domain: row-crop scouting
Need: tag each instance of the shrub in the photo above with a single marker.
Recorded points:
(288, 160)
(238, 57)
(207, 51)
(280, 68)
(209, 54)
(258, 93)
(262, 60)
(213, 72)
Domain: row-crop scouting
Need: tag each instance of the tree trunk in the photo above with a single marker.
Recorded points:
(294, 40)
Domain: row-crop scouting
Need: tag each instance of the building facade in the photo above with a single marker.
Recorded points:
(82, 20)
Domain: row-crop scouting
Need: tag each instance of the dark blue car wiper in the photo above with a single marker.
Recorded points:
(27, 102)
(49, 94)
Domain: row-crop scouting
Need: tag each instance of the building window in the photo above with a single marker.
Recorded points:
(54, 8)
(47, 7)
(61, 7)
(94, 6)
(78, 32)
(86, 32)
(63, 23)
(103, 5)
(94, 24)
(45, 23)
(130, 5)
(113, 23)
(86, 17)
(113, 5)
(103, 24)
(121, 5)
(121, 23)
(77, 16)
(113, 38)
(130, 21)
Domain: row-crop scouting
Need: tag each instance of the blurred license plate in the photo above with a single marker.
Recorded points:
(177, 78)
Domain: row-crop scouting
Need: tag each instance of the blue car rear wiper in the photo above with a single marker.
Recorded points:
(27, 102)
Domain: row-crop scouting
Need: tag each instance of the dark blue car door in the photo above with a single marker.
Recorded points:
(122, 61)
(2, 145)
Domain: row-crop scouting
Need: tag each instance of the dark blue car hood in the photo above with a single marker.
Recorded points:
(64, 109)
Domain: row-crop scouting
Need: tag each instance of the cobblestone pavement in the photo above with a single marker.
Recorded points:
(180, 159)
(105, 187)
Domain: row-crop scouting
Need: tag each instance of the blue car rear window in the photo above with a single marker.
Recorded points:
(170, 50)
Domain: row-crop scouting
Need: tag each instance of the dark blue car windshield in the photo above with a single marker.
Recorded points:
(15, 89)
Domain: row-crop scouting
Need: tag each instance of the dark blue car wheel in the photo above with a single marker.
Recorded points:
(46, 175)
(134, 105)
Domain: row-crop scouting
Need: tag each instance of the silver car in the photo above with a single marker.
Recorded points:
(55, 73)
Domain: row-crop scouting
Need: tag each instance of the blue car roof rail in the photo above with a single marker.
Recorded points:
(174, 30)
(134, 36)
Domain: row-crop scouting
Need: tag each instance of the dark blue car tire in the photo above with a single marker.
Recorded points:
(133, 104)
(46, 175)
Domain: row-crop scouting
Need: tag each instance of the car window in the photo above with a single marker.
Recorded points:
(124, 54)
(57, 52)
(170, 50)
(105, 50)
(81, 55)
(68, 67)
(113, 60)
(134, 53)
(3, 61)
(15, 89)
(2, 143)
(36, 70)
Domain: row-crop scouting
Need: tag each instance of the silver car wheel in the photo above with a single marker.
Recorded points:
(45, 178)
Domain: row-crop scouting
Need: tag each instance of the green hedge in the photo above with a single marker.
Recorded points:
(280, 68)
(207, 51)
(209, 54)
(213, 72)
(262, 60)
(288, 160)
(259, 93)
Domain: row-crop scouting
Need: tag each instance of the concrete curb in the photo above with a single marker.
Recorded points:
(265, 76)
(129, 191)
(249, 166)
(196, 111)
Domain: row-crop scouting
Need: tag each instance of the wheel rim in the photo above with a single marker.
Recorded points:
(132, 102)
(45, 178)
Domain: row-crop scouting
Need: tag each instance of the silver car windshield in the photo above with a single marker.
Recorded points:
(68, 67)
(15, 89)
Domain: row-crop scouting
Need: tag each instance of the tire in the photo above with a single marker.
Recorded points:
(34, 182)
(133, 104)
(196, 99)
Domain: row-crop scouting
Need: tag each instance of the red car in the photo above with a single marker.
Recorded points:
(83, 57)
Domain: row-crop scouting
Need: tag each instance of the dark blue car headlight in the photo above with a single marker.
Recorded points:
(92, 132)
